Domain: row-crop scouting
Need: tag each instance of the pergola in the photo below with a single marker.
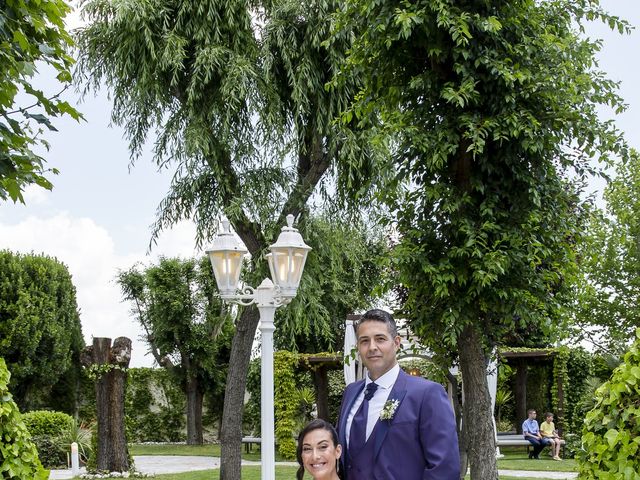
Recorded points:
(522, 360)
(320, 366)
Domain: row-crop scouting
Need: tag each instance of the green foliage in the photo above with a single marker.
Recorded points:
(251, 417)
(560, 380)
(608, 300)
(343, 274)
(45, 422)
(154, 406)
(18, 455)
(425, 368)
(51, 450)
(576, 388)
(336, 389)
(611, 434)
(491, 109)
(80, 434)
(285, 404)
(503, 397)
(572, 445)
(242, 116)
(293, 399)
(188, 330)
(40, 331)
(32, 34)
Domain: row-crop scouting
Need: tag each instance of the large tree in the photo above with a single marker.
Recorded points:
(40, 331)
(492, 106)
(186, 327)
(238, 101)
(32, 35)
(607, 308)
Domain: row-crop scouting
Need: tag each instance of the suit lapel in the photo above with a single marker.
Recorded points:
(348, 404)
(382, 426)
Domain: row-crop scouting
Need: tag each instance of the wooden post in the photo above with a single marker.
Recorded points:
(521, 394)
(321, 385)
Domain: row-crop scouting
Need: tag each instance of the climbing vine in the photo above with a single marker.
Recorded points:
(96, 370)
(285, 404)
(559, 383)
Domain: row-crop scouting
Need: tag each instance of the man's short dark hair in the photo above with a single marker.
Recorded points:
(377, 315)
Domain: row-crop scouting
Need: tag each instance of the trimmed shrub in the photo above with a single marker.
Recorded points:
(51, 450)
(18, 454)
(46, 422)
(611, 433)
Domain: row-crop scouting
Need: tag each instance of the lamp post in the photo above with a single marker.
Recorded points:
(286, 263)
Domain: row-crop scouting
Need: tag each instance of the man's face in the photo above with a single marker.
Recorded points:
(532, 415)
(377, 347)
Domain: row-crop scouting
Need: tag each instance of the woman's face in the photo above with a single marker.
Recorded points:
(319, 454)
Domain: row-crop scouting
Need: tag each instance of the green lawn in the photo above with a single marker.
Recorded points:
(520, 461)
(513, 460)
(253, 473)
(196, 450)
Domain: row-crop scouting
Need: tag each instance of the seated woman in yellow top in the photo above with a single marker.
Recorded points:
(548, 430)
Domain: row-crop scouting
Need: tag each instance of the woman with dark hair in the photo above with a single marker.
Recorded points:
(318, 451)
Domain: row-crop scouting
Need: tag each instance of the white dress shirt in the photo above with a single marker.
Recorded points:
(385, 384)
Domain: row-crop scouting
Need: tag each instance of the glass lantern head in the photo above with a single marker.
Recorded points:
(287, 258)
(226, 255)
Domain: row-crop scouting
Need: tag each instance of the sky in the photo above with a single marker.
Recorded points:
(97, 218)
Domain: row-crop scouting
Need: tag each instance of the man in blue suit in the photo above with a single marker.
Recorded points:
(394, 426)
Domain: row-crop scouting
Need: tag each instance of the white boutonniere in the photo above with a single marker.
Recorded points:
(389, 409)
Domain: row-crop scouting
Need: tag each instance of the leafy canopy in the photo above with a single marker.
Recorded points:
(31, 33)
(608, 299)
(492, 107)
(40, 331)
(175, 304)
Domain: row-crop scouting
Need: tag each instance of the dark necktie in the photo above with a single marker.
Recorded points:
(358, 433)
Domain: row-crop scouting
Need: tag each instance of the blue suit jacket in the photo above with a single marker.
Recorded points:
(420, 442)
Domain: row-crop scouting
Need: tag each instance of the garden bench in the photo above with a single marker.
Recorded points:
(516, 440)
(249, 441)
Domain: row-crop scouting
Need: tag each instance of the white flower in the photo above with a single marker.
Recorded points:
(389, 409)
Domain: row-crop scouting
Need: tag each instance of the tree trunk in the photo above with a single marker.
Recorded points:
(480, 440)
(120, 356)
(521, 394)
(321, 387)
(112, 453)
(101, 350)
(454, 393)
(194, 411)
(231, 432)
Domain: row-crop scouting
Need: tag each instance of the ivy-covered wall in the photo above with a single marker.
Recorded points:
(154, 406)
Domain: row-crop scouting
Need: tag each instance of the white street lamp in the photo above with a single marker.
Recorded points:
(286, 263)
